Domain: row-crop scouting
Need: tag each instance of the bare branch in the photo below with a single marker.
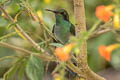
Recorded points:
(99, 32)
(21, 30)
(41, 56)
(44, 57)
(83, 67)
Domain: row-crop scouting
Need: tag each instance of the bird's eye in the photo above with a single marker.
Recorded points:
(63, 13)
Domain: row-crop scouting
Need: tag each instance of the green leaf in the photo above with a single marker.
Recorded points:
(12, 71)
(10, 26)
(3, 1)
(8, 75)
(22, 69)
(95, 61)
(35, 68)
(3, 22)
(115, 59)
(56, 44)
(16, 1)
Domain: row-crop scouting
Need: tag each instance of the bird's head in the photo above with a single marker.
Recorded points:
(60, 13)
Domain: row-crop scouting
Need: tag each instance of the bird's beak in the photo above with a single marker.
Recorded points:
(51, 10)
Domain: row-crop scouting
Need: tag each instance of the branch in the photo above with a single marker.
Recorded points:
(35, 17)
(7, 35)
(41, 56)
(44, 57)
(99, 33)
(80, 23)
(80, 27)
(20, 29)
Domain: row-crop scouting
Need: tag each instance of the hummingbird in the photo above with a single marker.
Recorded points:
(63, 28)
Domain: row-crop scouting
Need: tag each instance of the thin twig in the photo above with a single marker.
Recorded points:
(41, 56)
(99, 33)
(7, 57)
(36, 18)
(94, 27)
(44, 57)
(74, 69)
(102, 29)
(21, 30)
(7, 35)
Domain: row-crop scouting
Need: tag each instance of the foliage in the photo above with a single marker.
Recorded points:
(35, 68)
(31, 17)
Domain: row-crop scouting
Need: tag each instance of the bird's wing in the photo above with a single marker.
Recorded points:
(53, 29)
(53, 33)
(72, 29)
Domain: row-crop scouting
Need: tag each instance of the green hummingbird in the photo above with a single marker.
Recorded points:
(63, 28)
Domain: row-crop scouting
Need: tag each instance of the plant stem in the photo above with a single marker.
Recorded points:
(21, 30)
(80, 27)
(7, 35)
(99, 33)
(44, 56)
(79, 11)
(41, 56)
(7, 57)
(94, 27)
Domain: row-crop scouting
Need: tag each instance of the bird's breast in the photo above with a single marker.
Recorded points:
(62, 33)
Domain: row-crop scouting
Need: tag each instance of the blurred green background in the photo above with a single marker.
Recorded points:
(96, 62)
